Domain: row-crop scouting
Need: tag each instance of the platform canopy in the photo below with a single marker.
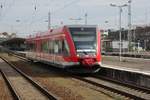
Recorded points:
(14, 41)
(14, 44)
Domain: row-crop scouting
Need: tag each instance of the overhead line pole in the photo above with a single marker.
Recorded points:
(120, 37)
(49, 20)
(86, 18)
(1, 7)
(129, 24)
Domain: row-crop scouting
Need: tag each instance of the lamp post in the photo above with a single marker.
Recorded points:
(120, 38)
(85, 18)
(106, 25)
(129, 24)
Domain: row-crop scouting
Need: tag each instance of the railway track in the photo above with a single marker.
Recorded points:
(10, 86)
(18, 56)
(54, 71)
(23, 87)
(5, 93)
(139, 88)
(123, 89)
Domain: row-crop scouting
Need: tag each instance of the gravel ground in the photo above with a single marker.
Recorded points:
(62, 86)
(22, 86)
(136, 63)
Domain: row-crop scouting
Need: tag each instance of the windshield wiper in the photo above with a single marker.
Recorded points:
(85, 52)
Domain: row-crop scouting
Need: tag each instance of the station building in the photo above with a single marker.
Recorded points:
(140, 36)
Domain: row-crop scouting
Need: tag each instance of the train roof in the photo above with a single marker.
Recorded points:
(59, 30)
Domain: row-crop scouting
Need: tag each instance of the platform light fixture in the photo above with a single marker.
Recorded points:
(120, 38)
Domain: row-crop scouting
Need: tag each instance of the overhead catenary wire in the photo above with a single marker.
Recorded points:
(34, 21)
(1, 6)
(33, 18)
(6, 8)
(59, 9)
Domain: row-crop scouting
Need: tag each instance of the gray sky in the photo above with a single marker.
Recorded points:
(98, 11)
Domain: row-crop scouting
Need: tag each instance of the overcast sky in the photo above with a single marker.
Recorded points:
(21, 16)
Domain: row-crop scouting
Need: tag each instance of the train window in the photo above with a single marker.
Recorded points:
(84, 39)
(60, 47)
(56, 48)
(31, 46)
(45, 46)
(65, 48)
(51, 47)
(28, 47)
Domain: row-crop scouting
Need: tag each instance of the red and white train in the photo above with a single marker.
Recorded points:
(73, 47)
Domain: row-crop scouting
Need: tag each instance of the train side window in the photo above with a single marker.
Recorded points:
(50, 47)
(28, 46)
(45, 46)
(31, 46)
(60, 46)
(65, 48)
(56, 48)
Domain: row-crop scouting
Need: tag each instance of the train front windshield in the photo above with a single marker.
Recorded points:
(84, 39)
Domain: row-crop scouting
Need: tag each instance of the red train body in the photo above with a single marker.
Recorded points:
(73, 47)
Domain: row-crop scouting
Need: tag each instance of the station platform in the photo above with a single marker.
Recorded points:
(142, 54)
(129, 64)
(134, 65)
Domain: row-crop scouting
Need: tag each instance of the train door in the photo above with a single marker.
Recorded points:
(50, 50)
(41, 49)
(45, 49)
(38, 55)
(58, 58)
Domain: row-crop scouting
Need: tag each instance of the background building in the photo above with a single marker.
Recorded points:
(140, 37)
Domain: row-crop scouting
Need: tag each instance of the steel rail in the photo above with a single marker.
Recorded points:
(140, 88)
(112, 89)
(131, 96)
(10, 86)
(38, 86)
(19, 56)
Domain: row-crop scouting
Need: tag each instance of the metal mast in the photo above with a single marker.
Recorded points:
(129, 24)
(49, 20)
(86, 18)
(120, 29)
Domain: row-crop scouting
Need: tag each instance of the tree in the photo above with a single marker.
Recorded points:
(5, 33)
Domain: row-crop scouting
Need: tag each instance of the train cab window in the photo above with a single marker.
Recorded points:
(84, 39)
